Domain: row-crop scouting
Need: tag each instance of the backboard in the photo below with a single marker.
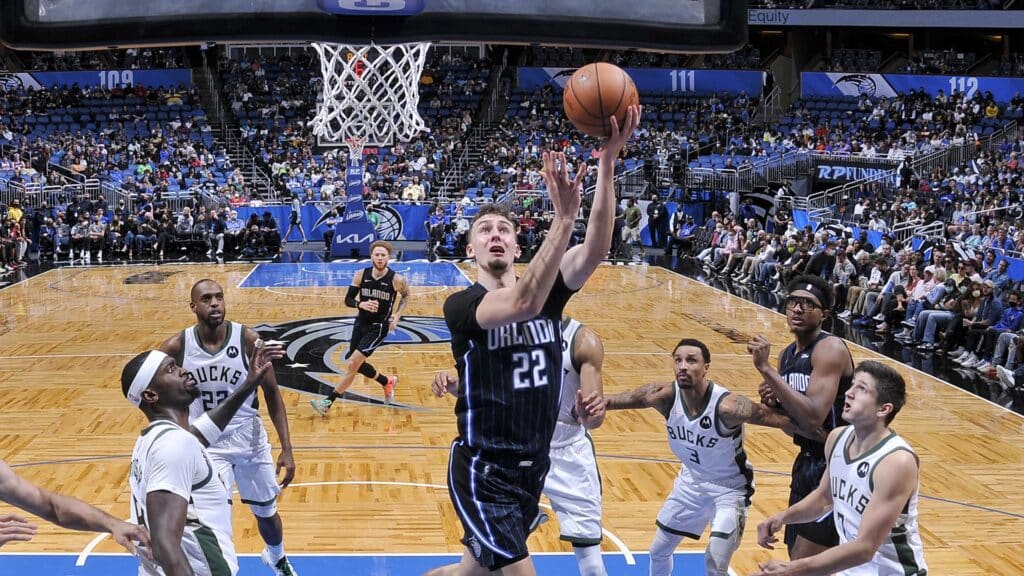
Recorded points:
(655, 25)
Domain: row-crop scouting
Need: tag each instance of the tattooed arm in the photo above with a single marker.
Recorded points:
(736, 410)
(658, 396)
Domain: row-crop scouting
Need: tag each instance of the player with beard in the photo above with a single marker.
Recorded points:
(177, 492)
(507, 345)
(216, 353)
(705, 431)
(870, 485)
(814, 373)
(373, 292)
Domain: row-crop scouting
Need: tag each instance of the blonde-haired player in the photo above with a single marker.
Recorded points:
(373, 292)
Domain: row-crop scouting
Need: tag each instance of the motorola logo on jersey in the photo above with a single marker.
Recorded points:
(315, 349)
(862, 469)
(705, 422)
(232, 352)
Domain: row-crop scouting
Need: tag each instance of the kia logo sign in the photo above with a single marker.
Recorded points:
(372, 7)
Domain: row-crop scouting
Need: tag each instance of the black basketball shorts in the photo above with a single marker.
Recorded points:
(367, 337)
(807, 471)
(497, 501)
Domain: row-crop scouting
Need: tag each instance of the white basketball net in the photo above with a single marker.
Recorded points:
(370, 92)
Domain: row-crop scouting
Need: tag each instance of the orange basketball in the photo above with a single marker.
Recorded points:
(594, 94)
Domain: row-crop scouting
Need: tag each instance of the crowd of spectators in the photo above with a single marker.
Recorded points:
(940, 62)
(126, 59)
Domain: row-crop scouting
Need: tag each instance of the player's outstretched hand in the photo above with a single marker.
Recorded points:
(261, 360)
(127, 535)
(590, 409)
(445, 383)
(14, 528)
(772, 568)
(621, 134)
(564, 193)
(767, 529)
(760, 350)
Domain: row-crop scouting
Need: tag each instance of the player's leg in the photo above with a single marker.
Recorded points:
(685, 514)
(256, 480)
(803, 540)
(726, 531)
(573, 485)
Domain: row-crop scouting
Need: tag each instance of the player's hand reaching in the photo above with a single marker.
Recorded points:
(287, 461)
(772, 568)
(621, 134)
(261, 360)
(764, 390)
(766, 531)
(369, 305)
(14, 528)
(564, 193)
(590, 409)
(127, 535)
(445, 383)
(760, 350)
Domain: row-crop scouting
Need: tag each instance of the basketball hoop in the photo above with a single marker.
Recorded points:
(370, 93)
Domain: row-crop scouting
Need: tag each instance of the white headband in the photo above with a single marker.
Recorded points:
(145, 375)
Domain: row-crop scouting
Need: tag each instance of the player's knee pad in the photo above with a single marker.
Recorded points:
(664, 544)
(589, 560)
(264, 510)
(719, 553)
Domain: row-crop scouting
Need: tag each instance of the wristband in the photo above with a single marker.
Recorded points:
(207, 428)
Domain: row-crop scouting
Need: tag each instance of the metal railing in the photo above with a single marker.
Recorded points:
(34, 194)
(903, 231)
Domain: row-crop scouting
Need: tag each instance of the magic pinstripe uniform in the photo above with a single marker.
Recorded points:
(509, 395)
(371, 328)
(796, 367)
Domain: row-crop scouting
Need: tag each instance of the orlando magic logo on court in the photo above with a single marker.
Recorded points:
(315, 347)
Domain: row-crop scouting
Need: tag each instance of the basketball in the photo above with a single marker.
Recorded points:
(595, 92)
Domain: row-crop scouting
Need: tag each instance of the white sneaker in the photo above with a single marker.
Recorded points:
(958, 352)
(985, 366)
(1006, 379)
(845, 314)
(281, 568)
(879, 317)
(968, 360)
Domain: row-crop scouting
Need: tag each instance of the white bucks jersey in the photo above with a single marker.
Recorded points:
(851, 482)
(169, 458)
(709, 451)
(567, 429)
(219, 373)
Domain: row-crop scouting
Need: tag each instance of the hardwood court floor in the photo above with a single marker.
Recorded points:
(371, 479)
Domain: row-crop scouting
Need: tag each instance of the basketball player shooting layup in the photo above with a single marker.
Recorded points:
(216, 353)
(178, 493)
(705, 431)
(870, 485)
(507, 346)
(573, 484)
(814, 373)
(373, 292)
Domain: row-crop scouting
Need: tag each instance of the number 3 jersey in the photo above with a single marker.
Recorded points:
(510, 377)
(709, 451)
(218, 374)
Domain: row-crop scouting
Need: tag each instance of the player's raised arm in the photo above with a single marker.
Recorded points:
(830, 360)
(658, 396)
(497, 237)
(581, 261)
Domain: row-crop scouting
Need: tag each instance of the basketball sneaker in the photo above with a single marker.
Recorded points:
(389, 389)
(1006, 378)
(321, 406)
(281, 568)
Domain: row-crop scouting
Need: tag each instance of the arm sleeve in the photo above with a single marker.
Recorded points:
(173, 462)
(350, 297)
